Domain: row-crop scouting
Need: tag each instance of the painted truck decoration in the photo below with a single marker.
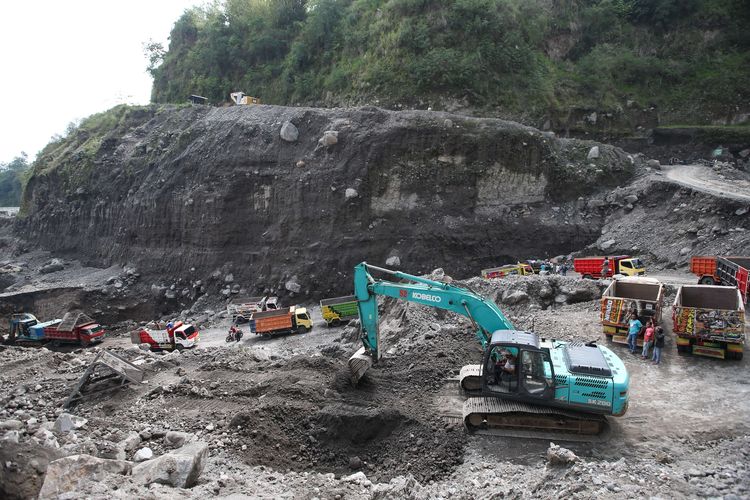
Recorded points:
(709, 320)
(591, 267)
(519, 269)
(74, 328)
(339, 310)
(728, 271)
(166, 336)
(644, 296)
(286, 320)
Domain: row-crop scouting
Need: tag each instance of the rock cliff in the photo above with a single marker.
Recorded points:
(289, 199)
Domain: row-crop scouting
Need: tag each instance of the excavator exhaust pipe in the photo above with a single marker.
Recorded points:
(359, 363)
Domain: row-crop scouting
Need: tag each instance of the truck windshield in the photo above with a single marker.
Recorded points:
(637, 263)
(189, 330)
(95, 329)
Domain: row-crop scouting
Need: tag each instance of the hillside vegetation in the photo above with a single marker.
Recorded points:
(13, 176)
(523, 58)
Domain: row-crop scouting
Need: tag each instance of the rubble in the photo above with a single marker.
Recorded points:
(66, 475)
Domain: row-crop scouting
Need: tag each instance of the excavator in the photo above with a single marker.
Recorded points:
(553, 387)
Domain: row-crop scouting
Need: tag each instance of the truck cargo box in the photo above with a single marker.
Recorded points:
(272, 321)
(709, 321)
(735, 271)
(644, 296)
(36, 332)
(339, 309)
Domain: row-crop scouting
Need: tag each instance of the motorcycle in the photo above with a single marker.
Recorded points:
(234, 335)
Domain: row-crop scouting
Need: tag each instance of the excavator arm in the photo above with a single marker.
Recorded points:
(484, 315)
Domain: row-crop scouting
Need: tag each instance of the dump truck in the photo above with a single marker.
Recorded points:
(519, 269)
(709, 320)
(730, 271)
(591, 267)
(644, 296)
(285, 320)
(241, 309)
(339, 310)
(166, 336)
(74, 328)
(240, 98)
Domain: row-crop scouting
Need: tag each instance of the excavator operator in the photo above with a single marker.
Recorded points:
(505, 367)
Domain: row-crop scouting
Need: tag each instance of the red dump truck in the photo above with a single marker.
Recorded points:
(591, 267)
(74, 328)
(286, 320)
(709, 320)
(730, 271)
(644, 296)
(166, 336)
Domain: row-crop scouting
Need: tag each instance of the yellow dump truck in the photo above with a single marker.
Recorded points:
(339, 309)
(517, 269)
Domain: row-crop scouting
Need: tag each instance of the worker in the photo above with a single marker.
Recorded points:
(506, 364)
(634, 328)
(658, 345)
(605, 267)
(648, 338)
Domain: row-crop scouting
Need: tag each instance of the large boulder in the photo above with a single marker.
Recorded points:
(515, 297)
(175, 439)
(69, 474)
(557, 455)
(289, 132)
(52, 266)
(179, 468)
(67, 422)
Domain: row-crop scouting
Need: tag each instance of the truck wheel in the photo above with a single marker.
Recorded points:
(706, 280)
(738, 356)
(587, 277)
(336, 322)
(301, 329)
(179, 347)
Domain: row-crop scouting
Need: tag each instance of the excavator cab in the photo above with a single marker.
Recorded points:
(516, 368)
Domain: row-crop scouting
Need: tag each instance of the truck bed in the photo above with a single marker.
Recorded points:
(272, 321)
(709, 312)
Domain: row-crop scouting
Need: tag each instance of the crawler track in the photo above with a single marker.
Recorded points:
(486, 415)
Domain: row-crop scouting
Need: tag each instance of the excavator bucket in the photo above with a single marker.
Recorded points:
(359, 363)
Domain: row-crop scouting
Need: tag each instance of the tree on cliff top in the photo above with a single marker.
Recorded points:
(515, 56)
(12, 176)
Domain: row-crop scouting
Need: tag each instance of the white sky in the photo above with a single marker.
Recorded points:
(63, 60)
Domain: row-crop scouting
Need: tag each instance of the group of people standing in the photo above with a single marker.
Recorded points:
(653, 336)
(549, 268)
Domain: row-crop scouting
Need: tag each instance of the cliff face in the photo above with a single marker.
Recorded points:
(199, 193)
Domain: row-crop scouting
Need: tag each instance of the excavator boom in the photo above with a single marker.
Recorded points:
(484, 314)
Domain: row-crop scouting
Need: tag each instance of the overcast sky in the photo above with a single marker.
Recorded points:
(63, 60)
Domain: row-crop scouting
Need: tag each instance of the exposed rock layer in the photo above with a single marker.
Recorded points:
(191, 191)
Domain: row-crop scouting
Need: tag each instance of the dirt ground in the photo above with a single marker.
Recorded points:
(281, 417)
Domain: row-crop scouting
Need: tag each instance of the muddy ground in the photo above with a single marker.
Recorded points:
(282, 419)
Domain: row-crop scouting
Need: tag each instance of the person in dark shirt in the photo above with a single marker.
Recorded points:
(658, 345)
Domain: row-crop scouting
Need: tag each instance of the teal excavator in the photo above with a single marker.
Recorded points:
(525, 383)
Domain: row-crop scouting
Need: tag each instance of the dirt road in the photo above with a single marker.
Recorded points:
(704, 179)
